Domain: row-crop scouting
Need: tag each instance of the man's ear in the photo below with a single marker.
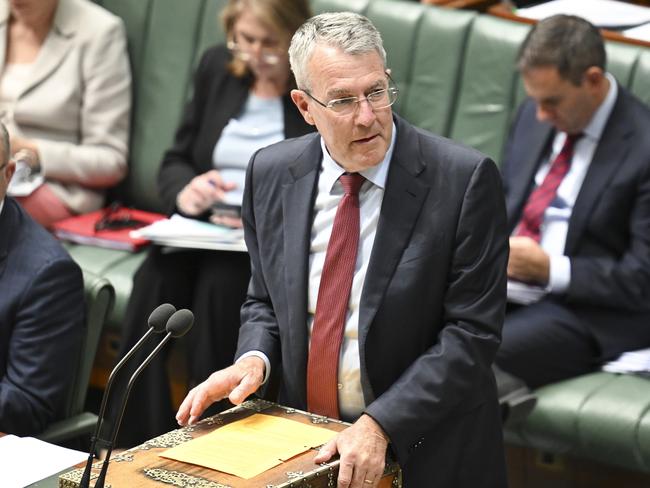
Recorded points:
(594, 76)
(10, 169)
(300, 100)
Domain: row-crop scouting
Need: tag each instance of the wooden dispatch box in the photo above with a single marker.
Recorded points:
(141, 466)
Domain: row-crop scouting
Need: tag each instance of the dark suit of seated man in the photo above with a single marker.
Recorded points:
(41, 316)
(576, 173)
(378, 258)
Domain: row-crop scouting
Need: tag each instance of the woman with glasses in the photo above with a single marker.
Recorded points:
(240, 104)
(65, 97)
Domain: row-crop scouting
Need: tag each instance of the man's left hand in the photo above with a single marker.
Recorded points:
(362, 449)
(528, 262)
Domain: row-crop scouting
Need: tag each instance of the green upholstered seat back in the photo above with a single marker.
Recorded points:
(489, 84)
(436, 68)
(621, 61)
(165, 38)
(320, 6)
(639, 82)
(398, 23)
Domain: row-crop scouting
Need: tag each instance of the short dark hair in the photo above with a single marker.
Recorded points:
(566, 42)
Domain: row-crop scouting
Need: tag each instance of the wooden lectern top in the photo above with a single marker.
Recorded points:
(141, 466)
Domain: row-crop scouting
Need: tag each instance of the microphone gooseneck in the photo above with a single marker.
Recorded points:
(178, 324)
(157, 323)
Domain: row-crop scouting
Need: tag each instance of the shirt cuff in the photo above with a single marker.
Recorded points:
(263, 357)
(559, 274)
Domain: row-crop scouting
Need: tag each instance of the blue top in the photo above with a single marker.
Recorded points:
(260, 124)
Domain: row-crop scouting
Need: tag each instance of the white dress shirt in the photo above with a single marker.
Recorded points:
(371, 195)
(330, 192)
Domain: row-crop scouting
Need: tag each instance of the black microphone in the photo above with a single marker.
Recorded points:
(157, 323)
(178, 324)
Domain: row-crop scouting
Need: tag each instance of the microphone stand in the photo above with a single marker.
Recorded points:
(102, 475)
(85, 479)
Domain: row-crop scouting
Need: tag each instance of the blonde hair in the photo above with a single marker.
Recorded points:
(283, 17)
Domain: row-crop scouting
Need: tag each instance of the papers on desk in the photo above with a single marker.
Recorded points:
(250, 446)
(24, 182)
(25, 460)
(179, 231)
(602, 13)
(641, 32)
(524, 294)
(630, 362)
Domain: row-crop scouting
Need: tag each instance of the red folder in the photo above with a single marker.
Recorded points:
(107, 228)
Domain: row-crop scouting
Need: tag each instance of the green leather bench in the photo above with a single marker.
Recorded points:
(456, 73)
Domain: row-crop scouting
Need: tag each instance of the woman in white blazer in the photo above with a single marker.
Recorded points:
(65, 96)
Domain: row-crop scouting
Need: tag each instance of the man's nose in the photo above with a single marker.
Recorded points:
(365, 113)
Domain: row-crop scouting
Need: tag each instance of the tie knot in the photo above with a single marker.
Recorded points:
(351, 183)
(571, 139)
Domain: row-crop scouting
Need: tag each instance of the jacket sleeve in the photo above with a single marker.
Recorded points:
(453, 374)
(43, 350)
(100, 158)
(178, 166)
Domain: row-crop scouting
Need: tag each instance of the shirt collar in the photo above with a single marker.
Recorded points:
(597, 123)
(377, 174)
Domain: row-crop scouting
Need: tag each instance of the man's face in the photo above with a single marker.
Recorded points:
(566, 106)
(359, 140)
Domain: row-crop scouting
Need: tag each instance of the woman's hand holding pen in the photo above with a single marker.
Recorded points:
(202, 192)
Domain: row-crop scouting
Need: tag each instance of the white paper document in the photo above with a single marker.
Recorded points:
(641, 32)
(25, 460)
(630, 362)
(24, 182)
(179, 231)
(602, 13)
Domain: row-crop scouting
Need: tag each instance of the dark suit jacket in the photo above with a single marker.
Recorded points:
(218, 97)
(431, 308)
(608, 239)
(41, 323)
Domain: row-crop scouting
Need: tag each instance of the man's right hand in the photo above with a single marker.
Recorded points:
(202, 192)
(236, 382)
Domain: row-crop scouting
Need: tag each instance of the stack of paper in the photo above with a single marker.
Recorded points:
(630, 362)
(602, 13)
(179, 231)
(25, 460)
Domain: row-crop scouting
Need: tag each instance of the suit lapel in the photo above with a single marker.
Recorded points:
(611, 150)
(8, 228)
(297, 209)
(57, 44)
(403, 199)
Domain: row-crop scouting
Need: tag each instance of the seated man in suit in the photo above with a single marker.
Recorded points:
(576, 174)
(379, 258)
(41, 316)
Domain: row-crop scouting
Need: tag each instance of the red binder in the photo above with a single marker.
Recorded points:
(108, 228)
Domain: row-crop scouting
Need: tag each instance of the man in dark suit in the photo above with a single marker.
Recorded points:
(397, 331)
(41, 316)
(577, 179)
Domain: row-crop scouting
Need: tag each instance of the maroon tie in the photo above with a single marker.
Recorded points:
(332, 303)
(543, 195)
